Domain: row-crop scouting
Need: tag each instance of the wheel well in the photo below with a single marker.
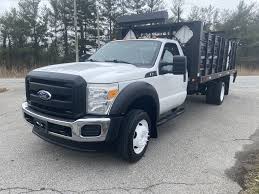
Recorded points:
(224, 79)
(147, 104)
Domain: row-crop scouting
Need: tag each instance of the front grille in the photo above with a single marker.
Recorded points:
(68, 94)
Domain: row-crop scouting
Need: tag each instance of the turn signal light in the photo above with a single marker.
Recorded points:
(112, 94)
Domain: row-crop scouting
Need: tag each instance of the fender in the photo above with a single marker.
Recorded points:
(130, 94)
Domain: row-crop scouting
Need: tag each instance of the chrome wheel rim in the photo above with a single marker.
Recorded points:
(222, 93)
(141, 135)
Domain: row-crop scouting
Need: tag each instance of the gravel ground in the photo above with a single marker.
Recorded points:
(191, 155)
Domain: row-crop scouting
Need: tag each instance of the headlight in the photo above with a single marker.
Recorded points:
(101, 97)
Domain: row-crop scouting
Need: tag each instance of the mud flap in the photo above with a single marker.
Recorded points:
(235, 77)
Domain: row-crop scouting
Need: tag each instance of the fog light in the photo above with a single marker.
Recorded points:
(91, 131)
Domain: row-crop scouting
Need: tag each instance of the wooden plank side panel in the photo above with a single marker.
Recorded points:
(214, 46)
(206, 54)
(219, 54)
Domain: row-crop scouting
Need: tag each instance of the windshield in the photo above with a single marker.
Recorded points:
(136, 52)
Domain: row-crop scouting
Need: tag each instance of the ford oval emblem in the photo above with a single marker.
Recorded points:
(44, 95)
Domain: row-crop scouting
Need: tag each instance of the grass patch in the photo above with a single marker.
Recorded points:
(251, 178)
(246, 170)
(248, 71)
(14, 72)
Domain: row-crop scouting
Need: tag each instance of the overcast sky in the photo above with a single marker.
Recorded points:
(223, 4)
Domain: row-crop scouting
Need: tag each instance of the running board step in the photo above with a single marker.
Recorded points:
(171, 116)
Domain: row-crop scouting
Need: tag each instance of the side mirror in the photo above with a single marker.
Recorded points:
(180, 65)
(165, 68)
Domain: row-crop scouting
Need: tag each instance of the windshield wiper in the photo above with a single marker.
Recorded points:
(117, 61)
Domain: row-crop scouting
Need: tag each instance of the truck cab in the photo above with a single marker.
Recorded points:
(151, 61)
(148, 77)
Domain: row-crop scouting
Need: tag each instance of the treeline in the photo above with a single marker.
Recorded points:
(34, 34)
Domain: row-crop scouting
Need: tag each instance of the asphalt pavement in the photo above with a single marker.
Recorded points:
(191, 155)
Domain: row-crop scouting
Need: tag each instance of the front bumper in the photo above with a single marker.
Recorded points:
(75, 126)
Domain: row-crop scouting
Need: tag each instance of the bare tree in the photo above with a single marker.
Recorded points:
(110, 11)
(137, 6)
(177, 10)
(209, 15)
(123, 7)
(155, 5)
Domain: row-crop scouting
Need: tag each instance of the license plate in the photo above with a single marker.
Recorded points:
(41, 125)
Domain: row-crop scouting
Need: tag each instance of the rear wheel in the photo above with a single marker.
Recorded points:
(134, 135)
(215, 93)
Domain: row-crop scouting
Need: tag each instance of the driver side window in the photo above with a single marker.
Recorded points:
(167, 56)
(167, 59)
(170, 50)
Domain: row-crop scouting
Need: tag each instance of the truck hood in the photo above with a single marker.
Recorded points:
(99, 72)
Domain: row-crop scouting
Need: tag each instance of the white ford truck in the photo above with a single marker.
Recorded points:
(128, 87)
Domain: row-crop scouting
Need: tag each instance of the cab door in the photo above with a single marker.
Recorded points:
(172, 89)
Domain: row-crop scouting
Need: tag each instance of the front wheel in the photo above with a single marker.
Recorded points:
(134, 135)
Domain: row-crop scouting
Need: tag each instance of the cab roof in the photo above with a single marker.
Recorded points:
(163, 40)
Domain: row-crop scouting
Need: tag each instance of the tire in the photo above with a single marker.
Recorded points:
(136, 122)
(215, 93)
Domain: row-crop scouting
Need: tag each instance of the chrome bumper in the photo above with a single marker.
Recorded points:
(74, 125)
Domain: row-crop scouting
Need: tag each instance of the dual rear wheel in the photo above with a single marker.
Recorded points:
(216, 92)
